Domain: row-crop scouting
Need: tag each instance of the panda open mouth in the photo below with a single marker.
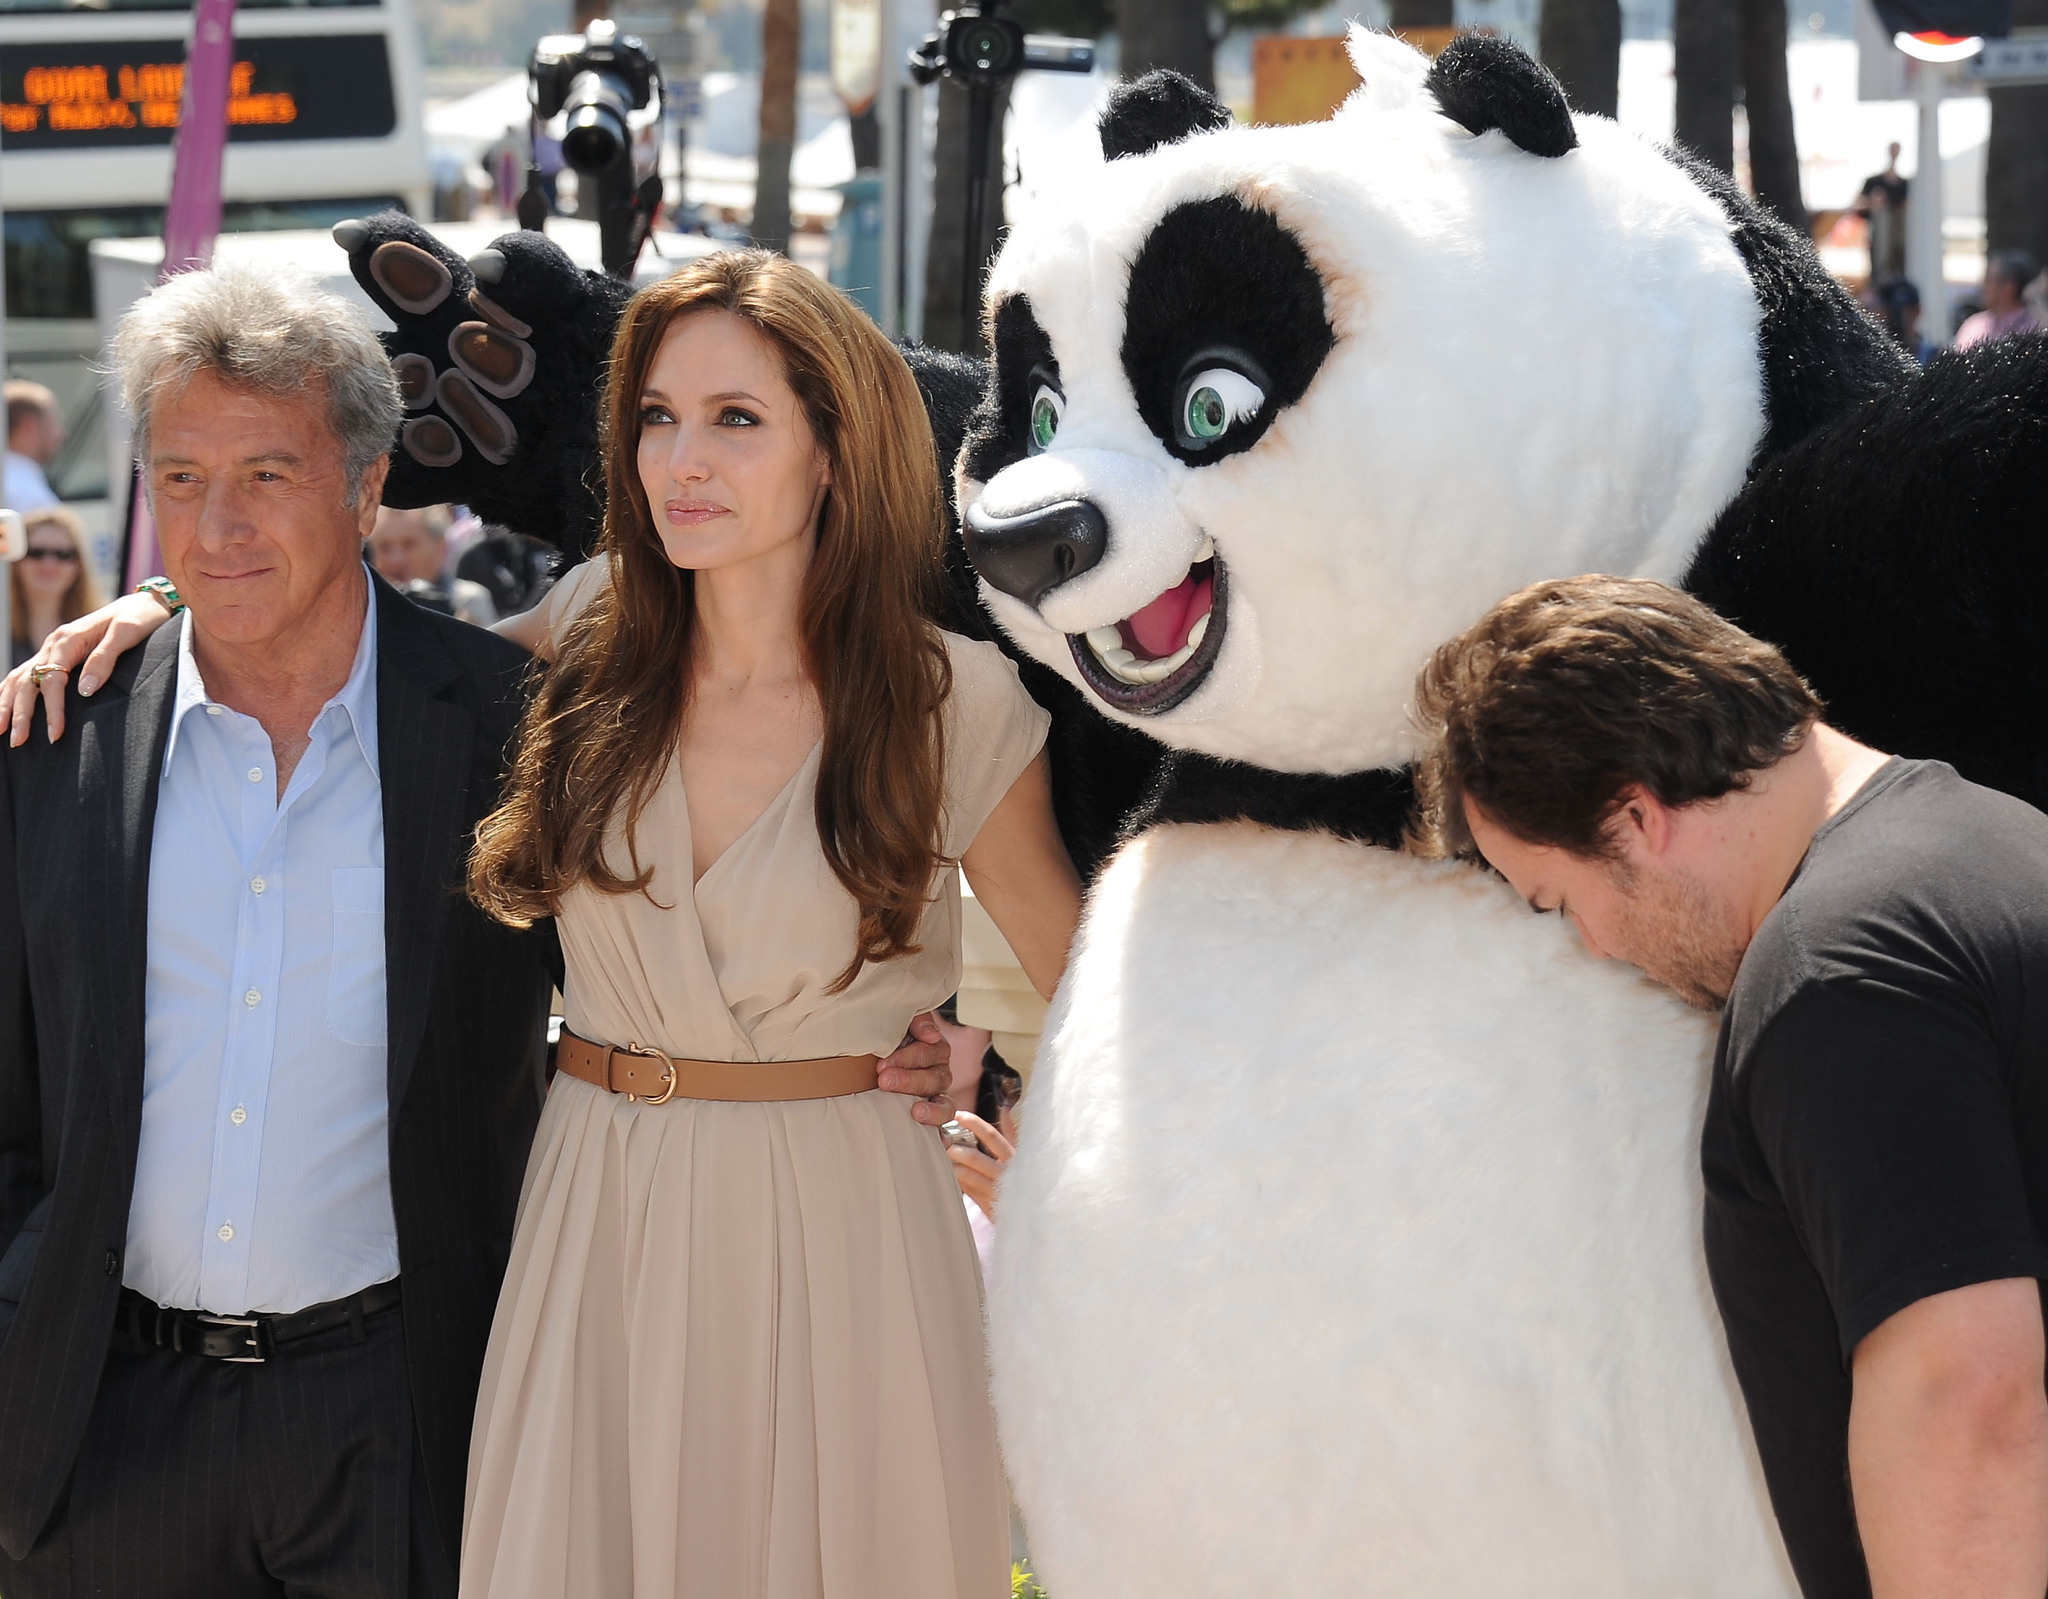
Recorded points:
(1158, 655)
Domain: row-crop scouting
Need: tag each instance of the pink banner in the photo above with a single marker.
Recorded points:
(193, 219)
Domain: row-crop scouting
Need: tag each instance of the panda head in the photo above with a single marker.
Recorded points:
(1273, 411)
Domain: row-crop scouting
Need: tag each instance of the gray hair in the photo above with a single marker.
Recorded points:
(276, 333)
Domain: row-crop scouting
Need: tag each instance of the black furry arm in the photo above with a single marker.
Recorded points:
(1899, 557)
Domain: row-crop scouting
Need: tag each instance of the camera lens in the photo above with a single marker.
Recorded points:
(985, 48)
(596, 134)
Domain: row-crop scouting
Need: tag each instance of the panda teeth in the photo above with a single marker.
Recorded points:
(1206, 553)
(1108, 646)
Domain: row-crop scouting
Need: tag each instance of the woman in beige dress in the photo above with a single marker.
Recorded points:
(739, 1349)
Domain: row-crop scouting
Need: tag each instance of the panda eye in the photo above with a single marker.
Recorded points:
(1046, 410)
(1213, 402)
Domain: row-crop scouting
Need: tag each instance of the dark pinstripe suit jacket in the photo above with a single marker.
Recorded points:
(468, 1009)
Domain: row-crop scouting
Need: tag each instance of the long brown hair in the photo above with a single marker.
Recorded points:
(606, 720)
(84, 593)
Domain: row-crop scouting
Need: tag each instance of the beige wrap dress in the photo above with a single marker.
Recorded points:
(738, 1353)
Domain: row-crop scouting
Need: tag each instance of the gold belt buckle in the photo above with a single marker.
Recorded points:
(668, 1076)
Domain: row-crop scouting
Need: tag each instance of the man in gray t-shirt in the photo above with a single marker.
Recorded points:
(1875, 932)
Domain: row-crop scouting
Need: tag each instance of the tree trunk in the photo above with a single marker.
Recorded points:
(867, 139)
(1767, 97)
(1420, 14)
(947, 324)
(1705, 58)
(2016, 164)
(781, 38)
(1580, 41)
(1165, 33)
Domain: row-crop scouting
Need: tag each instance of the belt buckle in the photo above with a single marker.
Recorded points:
(668, 1076)
(257, 1337)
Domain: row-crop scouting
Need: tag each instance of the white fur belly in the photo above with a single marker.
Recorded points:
(1353, 1248)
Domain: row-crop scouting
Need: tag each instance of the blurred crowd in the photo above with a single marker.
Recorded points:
(444, 558)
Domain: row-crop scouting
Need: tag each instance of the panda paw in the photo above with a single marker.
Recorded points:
(498, 363)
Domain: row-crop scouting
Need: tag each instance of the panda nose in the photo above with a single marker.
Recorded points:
(1032, 553)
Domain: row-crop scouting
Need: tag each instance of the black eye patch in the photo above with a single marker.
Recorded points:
(1219, 276)
(999, 432)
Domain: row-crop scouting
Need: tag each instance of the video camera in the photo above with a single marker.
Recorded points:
(980, 48)
(978, 45)
(606, 90)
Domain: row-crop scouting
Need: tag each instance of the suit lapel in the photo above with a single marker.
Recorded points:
(120, 768)
(423, 756)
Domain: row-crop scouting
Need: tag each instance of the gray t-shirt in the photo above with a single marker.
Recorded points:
(1877, 1130)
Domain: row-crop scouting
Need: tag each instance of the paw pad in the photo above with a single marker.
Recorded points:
(415, 374)
(498, 363)
(414, 278)
(498, 316)
(431, 441)
(489, 428)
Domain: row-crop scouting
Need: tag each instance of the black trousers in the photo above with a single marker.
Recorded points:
(199, 1479)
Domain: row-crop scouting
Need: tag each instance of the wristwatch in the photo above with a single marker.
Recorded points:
(163, 592)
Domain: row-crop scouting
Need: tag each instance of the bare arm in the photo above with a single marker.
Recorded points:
(1948, 1446)
(1021, 873)
(529, 629)
(89, 646)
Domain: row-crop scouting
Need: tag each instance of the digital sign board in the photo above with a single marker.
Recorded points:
(79, 96)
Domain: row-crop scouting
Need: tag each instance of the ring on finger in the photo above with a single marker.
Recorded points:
(36, 674)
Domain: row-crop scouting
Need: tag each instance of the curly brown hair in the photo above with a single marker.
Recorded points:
(607, 717)
(1571, 692)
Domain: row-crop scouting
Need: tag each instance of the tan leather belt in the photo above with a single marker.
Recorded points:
(647, 1074)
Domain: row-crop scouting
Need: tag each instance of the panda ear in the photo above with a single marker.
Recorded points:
(1159, 108)
(1482, 82)
(1390, 70)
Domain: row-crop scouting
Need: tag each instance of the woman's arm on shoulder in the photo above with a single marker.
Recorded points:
(535, 629)
(529, 629)
(1024, 878)
(90, 646)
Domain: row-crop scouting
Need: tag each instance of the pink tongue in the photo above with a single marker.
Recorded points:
(1162, 627)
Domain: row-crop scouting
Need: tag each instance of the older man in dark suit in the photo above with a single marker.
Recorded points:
(267, 1079)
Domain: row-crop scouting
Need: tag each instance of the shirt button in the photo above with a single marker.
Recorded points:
(227, 1231)
(213, 710)
(256, 885)
(238, 1115)
(113, 1262)
(252, 999)
(255, 774)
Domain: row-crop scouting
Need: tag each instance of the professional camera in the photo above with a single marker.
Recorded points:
(981, 49)
(979, 45)
(605, 92)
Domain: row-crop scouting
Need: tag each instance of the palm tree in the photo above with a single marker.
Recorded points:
(2016, 164)
(781, 38)
(1580, 41)
(1767, 97)
(1165, 33)
(1705, 49)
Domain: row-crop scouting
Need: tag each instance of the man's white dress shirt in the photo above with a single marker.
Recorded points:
(263, 1182)
(24, 488)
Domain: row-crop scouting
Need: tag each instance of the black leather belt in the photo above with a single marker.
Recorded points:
(246, 1340)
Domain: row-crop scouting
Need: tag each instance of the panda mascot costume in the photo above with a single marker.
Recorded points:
(1353, 1246)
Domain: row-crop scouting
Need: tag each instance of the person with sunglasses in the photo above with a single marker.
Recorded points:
(52, 582)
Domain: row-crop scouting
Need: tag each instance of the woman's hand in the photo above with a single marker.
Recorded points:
(90, 646)
(978, 1171)
(922, 1067)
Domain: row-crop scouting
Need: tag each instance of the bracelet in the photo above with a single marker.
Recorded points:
(163, 592)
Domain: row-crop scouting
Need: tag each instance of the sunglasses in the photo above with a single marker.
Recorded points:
(66, 557)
